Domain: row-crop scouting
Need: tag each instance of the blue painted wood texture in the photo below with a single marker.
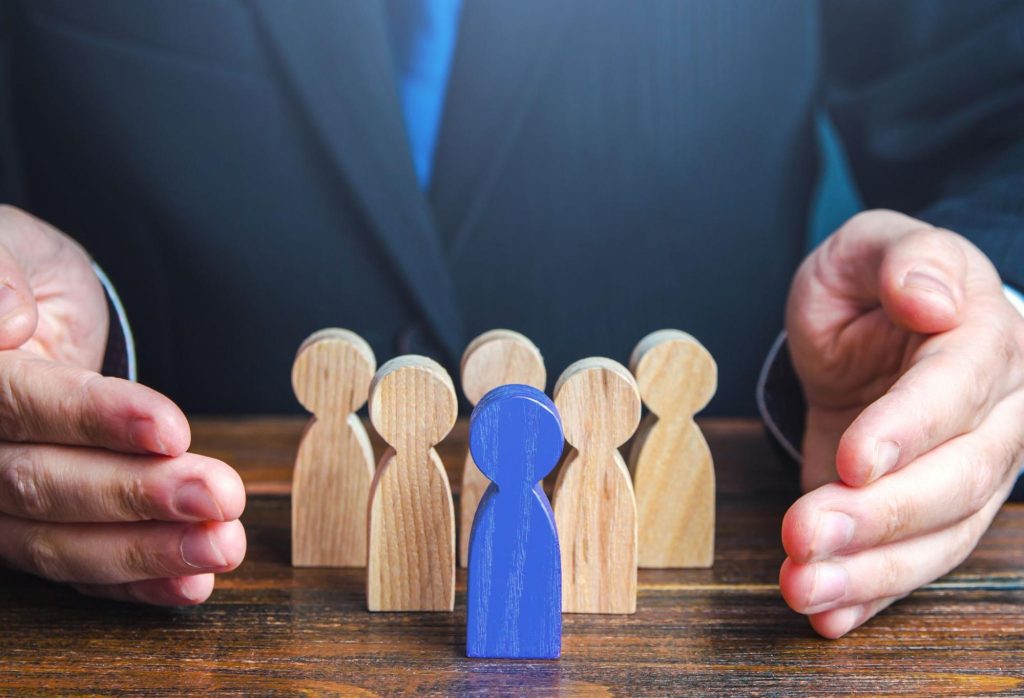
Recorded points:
(514, 600)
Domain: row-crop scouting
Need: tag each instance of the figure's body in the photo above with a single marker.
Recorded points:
(594, 504)
(495, 358)
(673, 474)
(514, 587)
(334, 465)
(411, 563)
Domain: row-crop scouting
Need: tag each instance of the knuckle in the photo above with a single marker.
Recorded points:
(837, 250)
(857, 224)
(979, 483)
(22, 486)
(130, 499)
(871, 220)
(890, 574)
(934, 242)
(16, 418)
(43, 556)
(898, 515)
(964, 539)
(80, 393)
(137, 560)
(825, 267)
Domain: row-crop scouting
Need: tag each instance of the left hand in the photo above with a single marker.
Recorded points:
(97, 488)
(912, 361)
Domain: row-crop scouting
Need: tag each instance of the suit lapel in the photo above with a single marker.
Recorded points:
(335, 57)
(500, 59)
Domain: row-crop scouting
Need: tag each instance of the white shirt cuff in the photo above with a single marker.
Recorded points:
(122, 319)
(1015, 298)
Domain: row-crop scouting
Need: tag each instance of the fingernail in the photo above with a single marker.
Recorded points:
(923, 281)
(198, 549)
(194, 500)
(830, 584)
(185, 589)
(845, 620)
(834, 532)
(887, 454)
(9, 301)
(145, 436)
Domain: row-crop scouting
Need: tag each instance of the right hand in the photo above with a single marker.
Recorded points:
(96, 487)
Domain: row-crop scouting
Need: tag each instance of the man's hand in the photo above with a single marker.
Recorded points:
(96, 487)
(912, 361)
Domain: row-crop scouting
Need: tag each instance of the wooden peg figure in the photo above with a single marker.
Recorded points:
(334, 465)
(514, 588)
(412, 521)
(594, 505)
(495, 358)
(673, 473)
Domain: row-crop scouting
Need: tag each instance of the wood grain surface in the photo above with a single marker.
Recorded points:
(271, 628)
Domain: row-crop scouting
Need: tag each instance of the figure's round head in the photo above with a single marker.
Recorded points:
(332, 372)
(412, 402)
(515, 435)
(676, 374)
(500, 357)
(599, 403)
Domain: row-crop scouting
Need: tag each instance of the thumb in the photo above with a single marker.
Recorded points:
(914, 271)
(18, 312)
(922, 280)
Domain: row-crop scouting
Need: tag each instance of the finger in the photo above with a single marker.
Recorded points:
(73, 484)
(176, 591)
(942, 487)
(119, 553)
(923, 280)
(891, 570)
(839, 279)
(837, 622)
(947, 392)
(43, 401)
(18, 312)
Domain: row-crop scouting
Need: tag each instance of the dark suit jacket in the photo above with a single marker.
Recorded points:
(240, 168)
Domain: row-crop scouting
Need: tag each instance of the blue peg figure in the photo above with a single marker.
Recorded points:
(515, 568)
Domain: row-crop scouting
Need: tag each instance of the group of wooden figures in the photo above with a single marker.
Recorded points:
(528, 560)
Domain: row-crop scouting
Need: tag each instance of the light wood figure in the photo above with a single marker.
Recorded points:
(595, 509)
(673, 473)
(495, 358)
(334, 465)
(412, 521)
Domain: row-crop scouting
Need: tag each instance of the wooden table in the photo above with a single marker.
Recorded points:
(270, 628)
